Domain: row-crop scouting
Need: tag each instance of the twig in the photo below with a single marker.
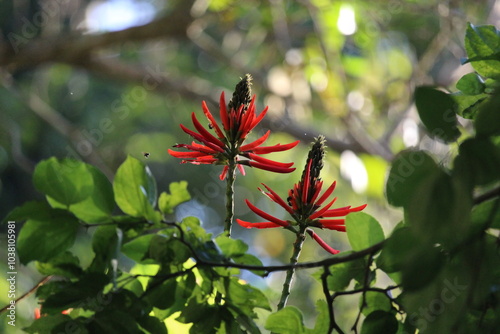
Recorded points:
(363, 292)
(76, 48)
(487, 196)
(329, 300)
(28, 293)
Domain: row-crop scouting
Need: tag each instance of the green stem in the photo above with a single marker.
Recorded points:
(297, 247)
(231, 176)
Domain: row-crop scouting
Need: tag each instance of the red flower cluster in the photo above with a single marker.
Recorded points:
(227, 144)
(304, 203)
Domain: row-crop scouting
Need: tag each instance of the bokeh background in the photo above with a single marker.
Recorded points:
(99, 80)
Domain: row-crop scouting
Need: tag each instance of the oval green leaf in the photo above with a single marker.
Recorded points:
(437, 110)
(135, 189)
(43, 238)
(67, 181)
(363, 230)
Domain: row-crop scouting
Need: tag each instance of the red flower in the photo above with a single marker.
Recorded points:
(305, 204)
(238, 120)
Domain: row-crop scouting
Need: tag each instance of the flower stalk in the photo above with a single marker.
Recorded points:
(231, 177)
(297, 248)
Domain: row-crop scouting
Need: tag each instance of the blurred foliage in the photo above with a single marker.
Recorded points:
(356, 89)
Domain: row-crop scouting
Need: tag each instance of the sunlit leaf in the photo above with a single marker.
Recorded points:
(363, 230)
(288, 320)
(135, 189)
(67, 181)
(482, 44)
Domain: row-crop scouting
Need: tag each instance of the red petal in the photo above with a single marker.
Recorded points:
(247, 119)
(274, 196)
(257, 225)
(268, 161)
(331, 223)
(305, 184)
(260, 117)
(202, 139)
(339, 212)
(327, 193)
(252, 145)
(223, 174)
(270, 168)
(184, 155)
(320, 213)
(322, 243)
(358, 208)
(266, 215)
(198, 148)
(223, 112)
(211, 118)
(241, 169)
(205, 133)
(274, 148)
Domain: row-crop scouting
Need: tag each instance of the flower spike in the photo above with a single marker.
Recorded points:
(304, 202)
(227, 145)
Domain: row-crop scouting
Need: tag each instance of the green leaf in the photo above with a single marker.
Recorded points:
(138, 249)
(151, 325)
(468, 105)
(380, 322)
(322, 322)
(423, 266)
(67, 181)
(249, 259)
(97, 208)
(29, 210)
(104, 245)
(231, 247)
(64, 264)
(47, 323)
(398, 250)
(246, 297)
(85, 293)
(135, 189)
(440, 204)
(341, 274)
(288, 320)
(471, 84)
(487, 213)
(376, 301)
(437, 111)
(178, 194)
(488, 118)
(163, 296)
(45, 237)
(363, 230)
(113, 322)
(480, 159)
(482, 44)
(409, 169)
(168, 251)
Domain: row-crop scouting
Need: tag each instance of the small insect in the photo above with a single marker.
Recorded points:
(210, 126)
(145, 154)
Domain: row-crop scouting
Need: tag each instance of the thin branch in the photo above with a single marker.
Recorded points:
(28, 293)
(329, 300)
(495, 192)
(363, 292)
(76, 48)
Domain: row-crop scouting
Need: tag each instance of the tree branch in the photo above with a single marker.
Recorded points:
(76, 48)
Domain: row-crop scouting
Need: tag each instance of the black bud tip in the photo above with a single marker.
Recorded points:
(242, 93)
